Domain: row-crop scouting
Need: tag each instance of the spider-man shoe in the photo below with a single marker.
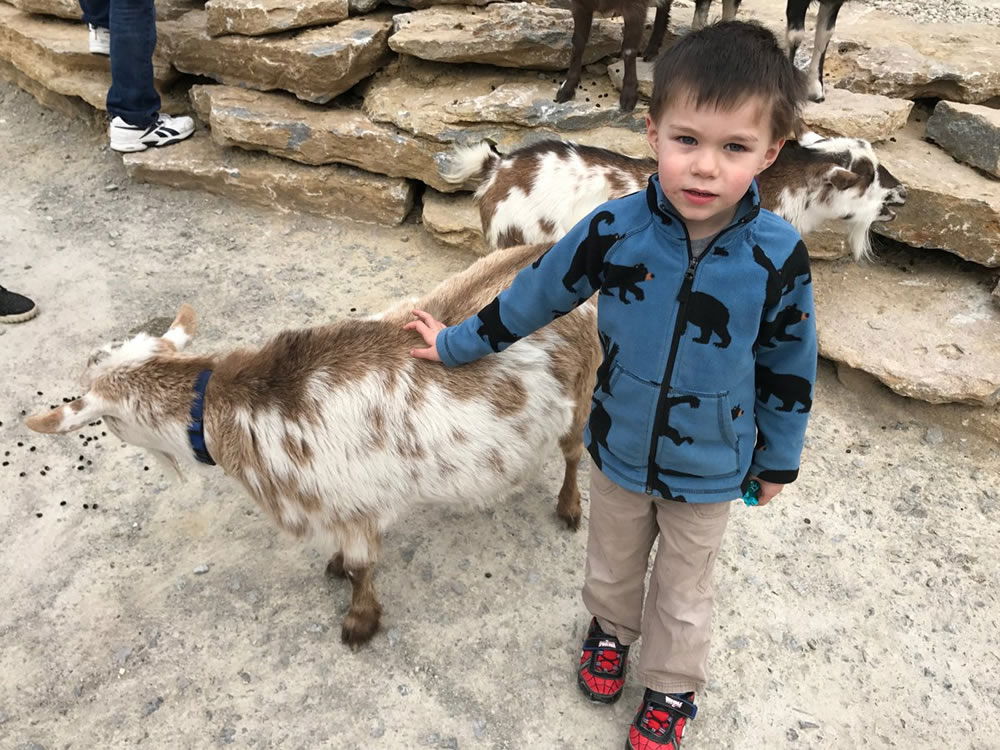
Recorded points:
(602, 665)
(659, 723)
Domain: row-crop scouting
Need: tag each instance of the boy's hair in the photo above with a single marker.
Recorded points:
(724, 64)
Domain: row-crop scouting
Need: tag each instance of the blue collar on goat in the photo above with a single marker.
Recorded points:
(196, 428)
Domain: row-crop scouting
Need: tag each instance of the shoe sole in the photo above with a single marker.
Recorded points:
(20, 318)
(106, 53)
(134, 147)
(595, 697)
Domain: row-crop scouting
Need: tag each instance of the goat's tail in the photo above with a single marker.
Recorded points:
(468, 163)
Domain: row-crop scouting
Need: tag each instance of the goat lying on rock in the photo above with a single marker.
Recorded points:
(538, 192)
(335, 431)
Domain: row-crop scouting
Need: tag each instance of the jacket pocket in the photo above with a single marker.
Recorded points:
(697, 437)
(620, 421)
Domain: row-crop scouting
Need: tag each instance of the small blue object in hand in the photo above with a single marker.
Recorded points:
(752, 493)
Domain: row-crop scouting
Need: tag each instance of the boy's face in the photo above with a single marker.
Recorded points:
(707, 159)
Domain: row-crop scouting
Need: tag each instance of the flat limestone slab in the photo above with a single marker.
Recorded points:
(454, 220)
(513, 35)
(71, 106)
(257, 17)
(315, 64)
(465, 104)
(969, 132)
(924, 326)
(903, 59)
(949, 206)
(53, 53)
(200, 164)
(846, 113)
(282, 125)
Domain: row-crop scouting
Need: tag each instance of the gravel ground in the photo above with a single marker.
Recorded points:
(861, 609)
(942, 11)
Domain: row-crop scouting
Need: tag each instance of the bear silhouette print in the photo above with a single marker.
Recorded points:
(796, 265)
(492, 328)
(777, 330)
(660, 486)
(600, 426)
(625, 279)
(788, 389)
(588, 260)
(711, 316)
(670, 432)
(604, 371)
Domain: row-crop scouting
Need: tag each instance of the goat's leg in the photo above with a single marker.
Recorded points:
(335, 566)
(582, 19)
(660, 23)
(634, 16)
(795, 29)
(359, 554)
(701, 8)
(826, 20)
(729, 9)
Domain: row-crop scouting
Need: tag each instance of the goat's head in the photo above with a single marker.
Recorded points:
(129, 385)
(836, 179)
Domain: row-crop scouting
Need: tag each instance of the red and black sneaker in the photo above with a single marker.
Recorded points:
(602, 665)
(659, 723)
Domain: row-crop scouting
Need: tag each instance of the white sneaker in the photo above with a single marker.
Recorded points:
(100, 40)
(165, 131)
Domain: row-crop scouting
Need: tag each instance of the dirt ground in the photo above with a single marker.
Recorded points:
(860, 609)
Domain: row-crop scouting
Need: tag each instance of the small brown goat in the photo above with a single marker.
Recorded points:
(335, 431)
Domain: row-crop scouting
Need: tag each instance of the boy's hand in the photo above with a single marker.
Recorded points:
(428, 328)
(767, 491)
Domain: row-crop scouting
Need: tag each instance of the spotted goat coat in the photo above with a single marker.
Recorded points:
(538, 192)
(335, 431)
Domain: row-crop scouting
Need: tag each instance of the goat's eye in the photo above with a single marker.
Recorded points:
(686, 140)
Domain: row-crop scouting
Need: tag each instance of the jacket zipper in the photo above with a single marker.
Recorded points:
(679, 325)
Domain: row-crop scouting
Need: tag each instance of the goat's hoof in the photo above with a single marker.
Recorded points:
(572, 519)
(358, 629)
(335, 568)
(626, 103)
(564, 94)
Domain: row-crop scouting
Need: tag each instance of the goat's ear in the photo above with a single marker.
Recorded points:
(69, 416)
(182, 329)
(842, 179)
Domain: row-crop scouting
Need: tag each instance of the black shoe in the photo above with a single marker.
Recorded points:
(15, 308)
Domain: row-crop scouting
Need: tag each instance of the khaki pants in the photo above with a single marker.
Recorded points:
(676, 622)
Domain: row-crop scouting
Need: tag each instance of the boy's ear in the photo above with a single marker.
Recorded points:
(771, 154)
(652, 135)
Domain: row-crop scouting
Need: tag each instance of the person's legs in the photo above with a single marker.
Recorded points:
(132, 96)
(677, 618)
(96, 12)
(621, 532)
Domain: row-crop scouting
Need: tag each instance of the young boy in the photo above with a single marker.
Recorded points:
(705, 314)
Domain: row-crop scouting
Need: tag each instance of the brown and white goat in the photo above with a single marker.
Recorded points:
(335, 431)
(538, 192)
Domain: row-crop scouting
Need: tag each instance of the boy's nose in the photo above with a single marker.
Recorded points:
(705, 163)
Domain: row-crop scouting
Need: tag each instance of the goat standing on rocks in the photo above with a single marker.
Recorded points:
(795, 14)
(633, 14)
(335, 431)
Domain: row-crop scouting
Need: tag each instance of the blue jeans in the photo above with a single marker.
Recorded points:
(132, 95)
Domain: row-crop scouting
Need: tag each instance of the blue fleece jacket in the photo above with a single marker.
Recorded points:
(709, 362)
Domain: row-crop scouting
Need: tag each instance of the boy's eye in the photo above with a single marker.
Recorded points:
(686, 140)
(736, 147)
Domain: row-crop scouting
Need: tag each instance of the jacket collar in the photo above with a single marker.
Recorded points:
(672, 224)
